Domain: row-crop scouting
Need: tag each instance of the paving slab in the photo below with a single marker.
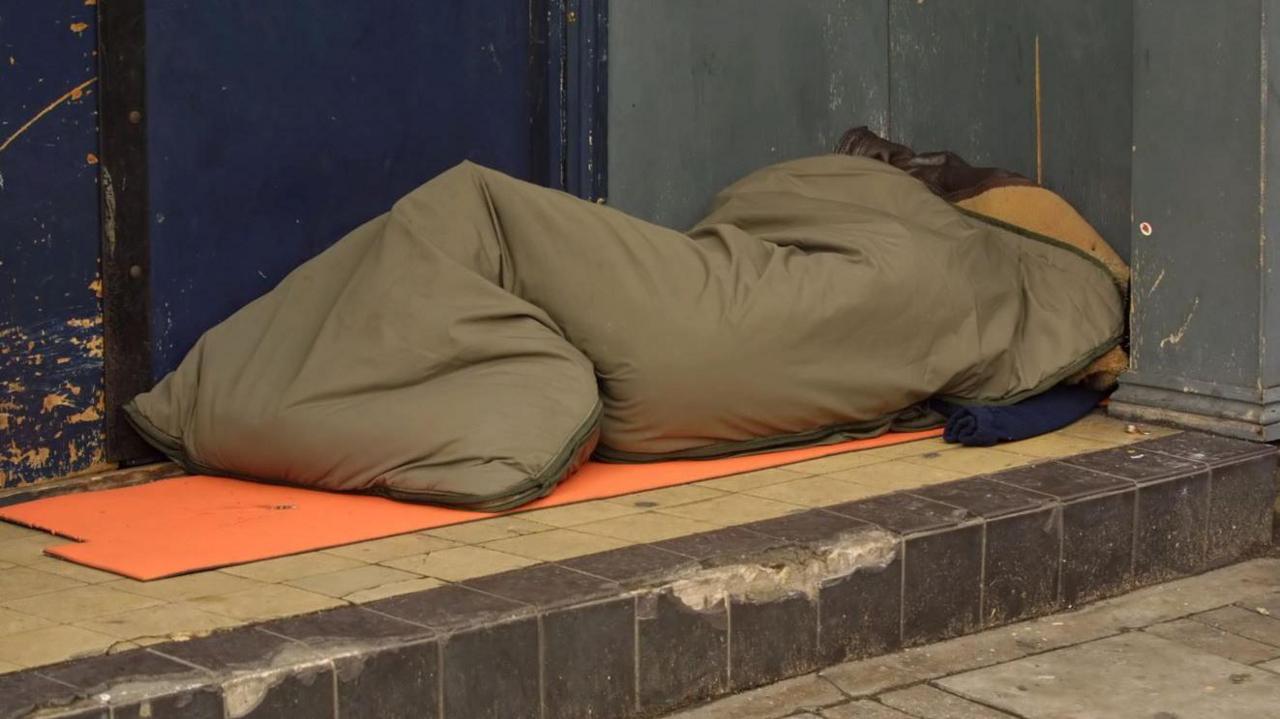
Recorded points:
(783, 699)
(863, 709)
(1136, 675)
(928, 702)
(1211, 639)
(1244, 622)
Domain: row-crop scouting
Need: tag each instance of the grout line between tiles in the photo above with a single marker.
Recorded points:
(902, 595)
(982, 579)
(440, 642)
(728, 644)
(542, 668)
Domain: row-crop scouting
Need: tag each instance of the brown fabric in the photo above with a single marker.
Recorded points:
(946, 174)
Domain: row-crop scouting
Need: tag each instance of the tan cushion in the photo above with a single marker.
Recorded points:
(1041, 211)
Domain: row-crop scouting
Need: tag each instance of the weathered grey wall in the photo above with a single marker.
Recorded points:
(702, 91)
(1205, 310)
(964, 78)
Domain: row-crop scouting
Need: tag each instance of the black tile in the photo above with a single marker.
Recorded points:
(771, 640)
(139, 666)
(815, 525)
(721, 545)
(1242, 498)
(1135, 464)
(304, 692)
(1061, 480)
(683, 652)
(1021, 573)
(860, 615)
(1172, 522)
(984, 498)
(449, 607)
(21, 692)
(400, 681)
(941, 588)
(204, 703)
(345, 625)
(630, 564)
(903, 513)
(240, 648)
(589, 660)
(1207, 448)
(1171, 529)
(492, 672)
(545, 585)
(88, 713)
(1097, 547)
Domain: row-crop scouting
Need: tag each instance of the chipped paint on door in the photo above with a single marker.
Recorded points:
(50, 295)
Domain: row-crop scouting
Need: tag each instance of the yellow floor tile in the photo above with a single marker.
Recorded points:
(6, 565)
(9, 530)
(861, 458)
(906, 449)
(345, 581)
(667, 497)
(648, 527)
(25, 550)
(12, 622)
(158, 624)
(896, 475)
(267, 601)
(297, 566)
(1102, 428)
(571, 515)
(459, 563)
(392, 590)
(80, 603)
(487, 530)
(760, 478)
(71, 570)
(19, 582)
(970, 461)
(187, 586)
(734, 509)
(404, 545)
(52, 644)
(814, 491)
(556, 544)
(838, 462)
(1050, 446)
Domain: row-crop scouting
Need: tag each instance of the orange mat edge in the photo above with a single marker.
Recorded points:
(217, 522)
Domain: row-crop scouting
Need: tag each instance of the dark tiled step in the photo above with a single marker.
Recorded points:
(647, 629)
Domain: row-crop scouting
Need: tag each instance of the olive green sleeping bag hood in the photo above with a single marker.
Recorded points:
(478, 342)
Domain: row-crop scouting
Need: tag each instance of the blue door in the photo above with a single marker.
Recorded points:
(275, 128)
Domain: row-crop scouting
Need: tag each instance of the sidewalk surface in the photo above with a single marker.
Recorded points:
(1204, 647)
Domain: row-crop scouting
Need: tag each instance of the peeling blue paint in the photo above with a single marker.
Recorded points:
(50, 312)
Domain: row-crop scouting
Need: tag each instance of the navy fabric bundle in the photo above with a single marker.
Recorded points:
(1044, 413)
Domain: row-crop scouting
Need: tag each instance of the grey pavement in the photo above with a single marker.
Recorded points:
(1206, 647)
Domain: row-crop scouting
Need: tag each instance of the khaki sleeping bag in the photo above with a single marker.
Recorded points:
(475, 344)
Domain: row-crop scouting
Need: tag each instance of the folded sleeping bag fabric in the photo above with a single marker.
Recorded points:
(983, 426)
(475, 344)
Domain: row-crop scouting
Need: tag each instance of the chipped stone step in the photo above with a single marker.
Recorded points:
(652, 628)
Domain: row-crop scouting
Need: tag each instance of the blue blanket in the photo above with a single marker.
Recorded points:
(1044, 413)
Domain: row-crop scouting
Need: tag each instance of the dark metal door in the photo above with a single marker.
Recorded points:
(272, 129)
